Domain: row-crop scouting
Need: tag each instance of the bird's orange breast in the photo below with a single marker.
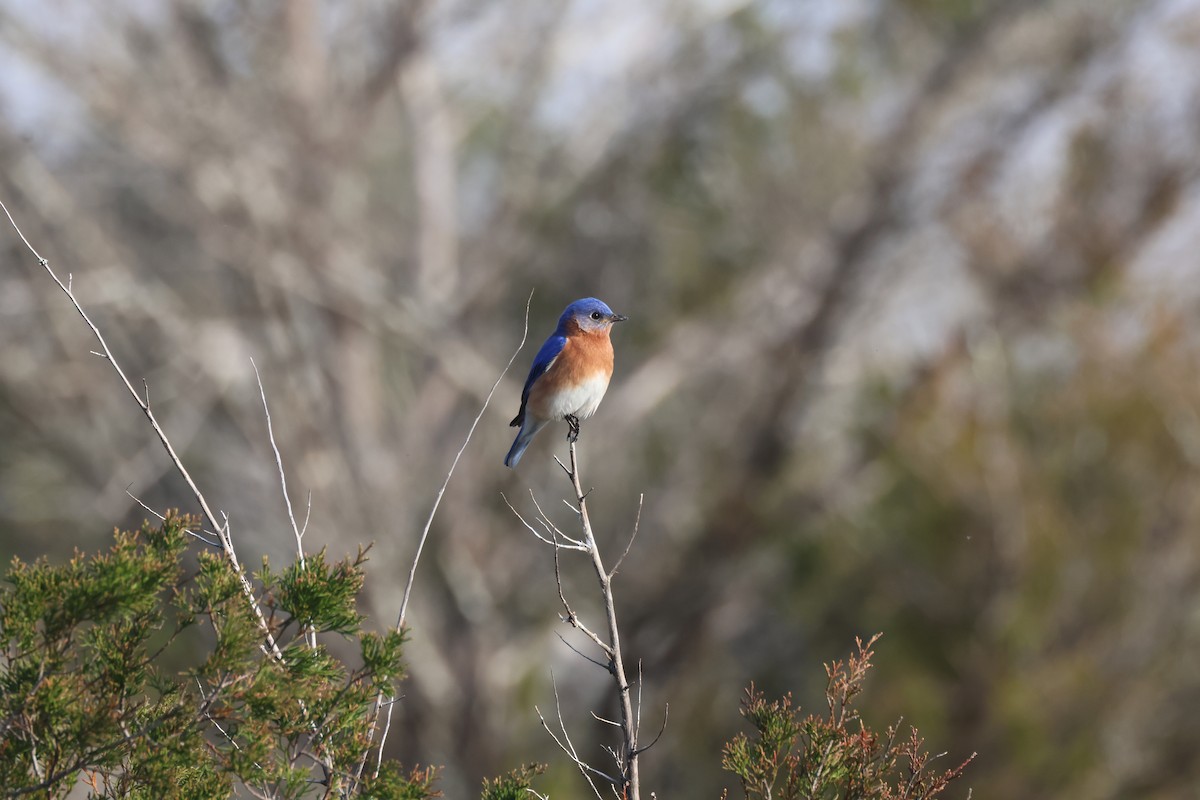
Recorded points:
(584, 365)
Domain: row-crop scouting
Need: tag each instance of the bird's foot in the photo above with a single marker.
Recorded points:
(573, 424)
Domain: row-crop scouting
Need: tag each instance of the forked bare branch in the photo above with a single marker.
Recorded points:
(568, 747)
(310, 634)
(570, 544)
(143, 401)
(573, 620)
(661, 730)
(548, 523)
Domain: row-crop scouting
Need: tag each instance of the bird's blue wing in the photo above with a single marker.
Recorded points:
(541, 362)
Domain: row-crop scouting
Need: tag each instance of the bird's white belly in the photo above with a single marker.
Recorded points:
(581, 400)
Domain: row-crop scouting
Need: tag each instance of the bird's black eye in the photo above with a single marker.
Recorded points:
(596, 315)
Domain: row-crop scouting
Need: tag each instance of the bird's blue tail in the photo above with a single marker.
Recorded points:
(529, 429)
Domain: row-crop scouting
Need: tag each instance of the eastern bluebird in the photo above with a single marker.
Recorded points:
(569, 374)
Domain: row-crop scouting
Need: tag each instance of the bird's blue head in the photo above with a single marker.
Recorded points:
(591, 315)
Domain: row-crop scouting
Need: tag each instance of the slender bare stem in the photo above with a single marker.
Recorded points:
(636, 524)
(437, 501)
(380, 703)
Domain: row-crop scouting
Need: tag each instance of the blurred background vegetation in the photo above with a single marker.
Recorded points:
(911, 288)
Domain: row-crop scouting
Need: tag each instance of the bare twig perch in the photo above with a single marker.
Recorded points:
(628, 757)
(626, 784)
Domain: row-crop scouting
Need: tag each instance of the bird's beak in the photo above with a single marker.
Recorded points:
(618, 318)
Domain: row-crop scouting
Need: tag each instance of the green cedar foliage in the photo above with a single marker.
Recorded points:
(86, 696)
(834, 754)
(515, 785)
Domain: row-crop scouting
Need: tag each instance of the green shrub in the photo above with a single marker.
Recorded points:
(85, 695)
(834, 754)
